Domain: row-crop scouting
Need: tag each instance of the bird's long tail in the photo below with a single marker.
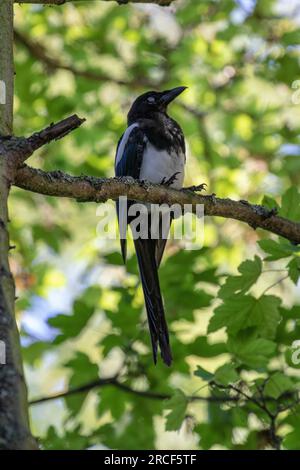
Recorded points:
(145, 250)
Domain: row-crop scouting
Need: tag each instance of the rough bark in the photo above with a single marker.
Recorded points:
(6, 66)
(14, 421)
(162, 3)
(87, 189)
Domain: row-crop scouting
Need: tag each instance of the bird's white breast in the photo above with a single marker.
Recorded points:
(158, 164)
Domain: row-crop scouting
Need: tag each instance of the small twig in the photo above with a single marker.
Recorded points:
(54, 132)
(113, 381)
(22, 148)
(52, 63)
(275, 284)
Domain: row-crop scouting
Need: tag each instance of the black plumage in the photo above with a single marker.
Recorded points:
(152, 148)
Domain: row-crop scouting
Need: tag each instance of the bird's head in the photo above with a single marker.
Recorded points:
(151, 103)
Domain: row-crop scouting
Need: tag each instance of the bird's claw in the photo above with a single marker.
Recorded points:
(197, 188)
(171, 180)
(144, 183)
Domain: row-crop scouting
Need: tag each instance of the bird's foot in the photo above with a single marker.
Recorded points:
(197, 188)
(144, 184)
(171, 180)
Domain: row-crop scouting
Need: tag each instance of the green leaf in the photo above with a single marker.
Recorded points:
(277, 250)
(53, 237)
(291, 441)
(269, 203)
(265, 315)
(294, 269)
(110, 342)
(83, 372)
(250, 272)
(232, 314)
(278, 384)
(113, 400)
(177, 404)
(203, 374)
(70, 440)
(202, 348)
(252, 352)
(290, 204)
(240, 312)
(72, 325)
(35, 351)
(226, 374)
(291, 37)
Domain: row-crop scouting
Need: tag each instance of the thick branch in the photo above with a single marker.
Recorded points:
(85, 188)
(162, 3)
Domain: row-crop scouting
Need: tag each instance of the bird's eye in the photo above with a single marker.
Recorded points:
(151, 99)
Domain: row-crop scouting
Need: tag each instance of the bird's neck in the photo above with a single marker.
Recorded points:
(161, 130)
(154, 117)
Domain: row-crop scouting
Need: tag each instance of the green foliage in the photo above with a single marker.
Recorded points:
(232, 306)
(71, 325)
(277, 250)
(242, 312)
(294, 269)
(250, 272)
(204, 374)
(226, 374)
(253, 352)
(177, 404)
(290, 204)
(278, 384)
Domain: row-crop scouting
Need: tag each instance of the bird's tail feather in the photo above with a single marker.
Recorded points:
(145, 250)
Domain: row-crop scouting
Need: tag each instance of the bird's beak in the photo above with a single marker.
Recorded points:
(170, 95)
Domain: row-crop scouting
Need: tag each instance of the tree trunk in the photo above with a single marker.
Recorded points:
(14, 421)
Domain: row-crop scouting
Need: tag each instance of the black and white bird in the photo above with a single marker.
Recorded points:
(151, 149)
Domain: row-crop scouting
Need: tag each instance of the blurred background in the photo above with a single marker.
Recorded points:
(81, 313)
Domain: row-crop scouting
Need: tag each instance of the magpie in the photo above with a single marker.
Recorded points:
(151, 149)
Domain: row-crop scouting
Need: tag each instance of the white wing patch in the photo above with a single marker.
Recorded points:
(124, 142)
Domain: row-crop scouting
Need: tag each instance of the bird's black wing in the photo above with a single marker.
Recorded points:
(129, 164)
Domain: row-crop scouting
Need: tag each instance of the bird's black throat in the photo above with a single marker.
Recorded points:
(163, 132)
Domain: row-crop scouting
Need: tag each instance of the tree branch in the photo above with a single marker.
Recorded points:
(54, 132)
(38, 51)
(18, 149)
(163, 3)
(113, 381)
(86, 188)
